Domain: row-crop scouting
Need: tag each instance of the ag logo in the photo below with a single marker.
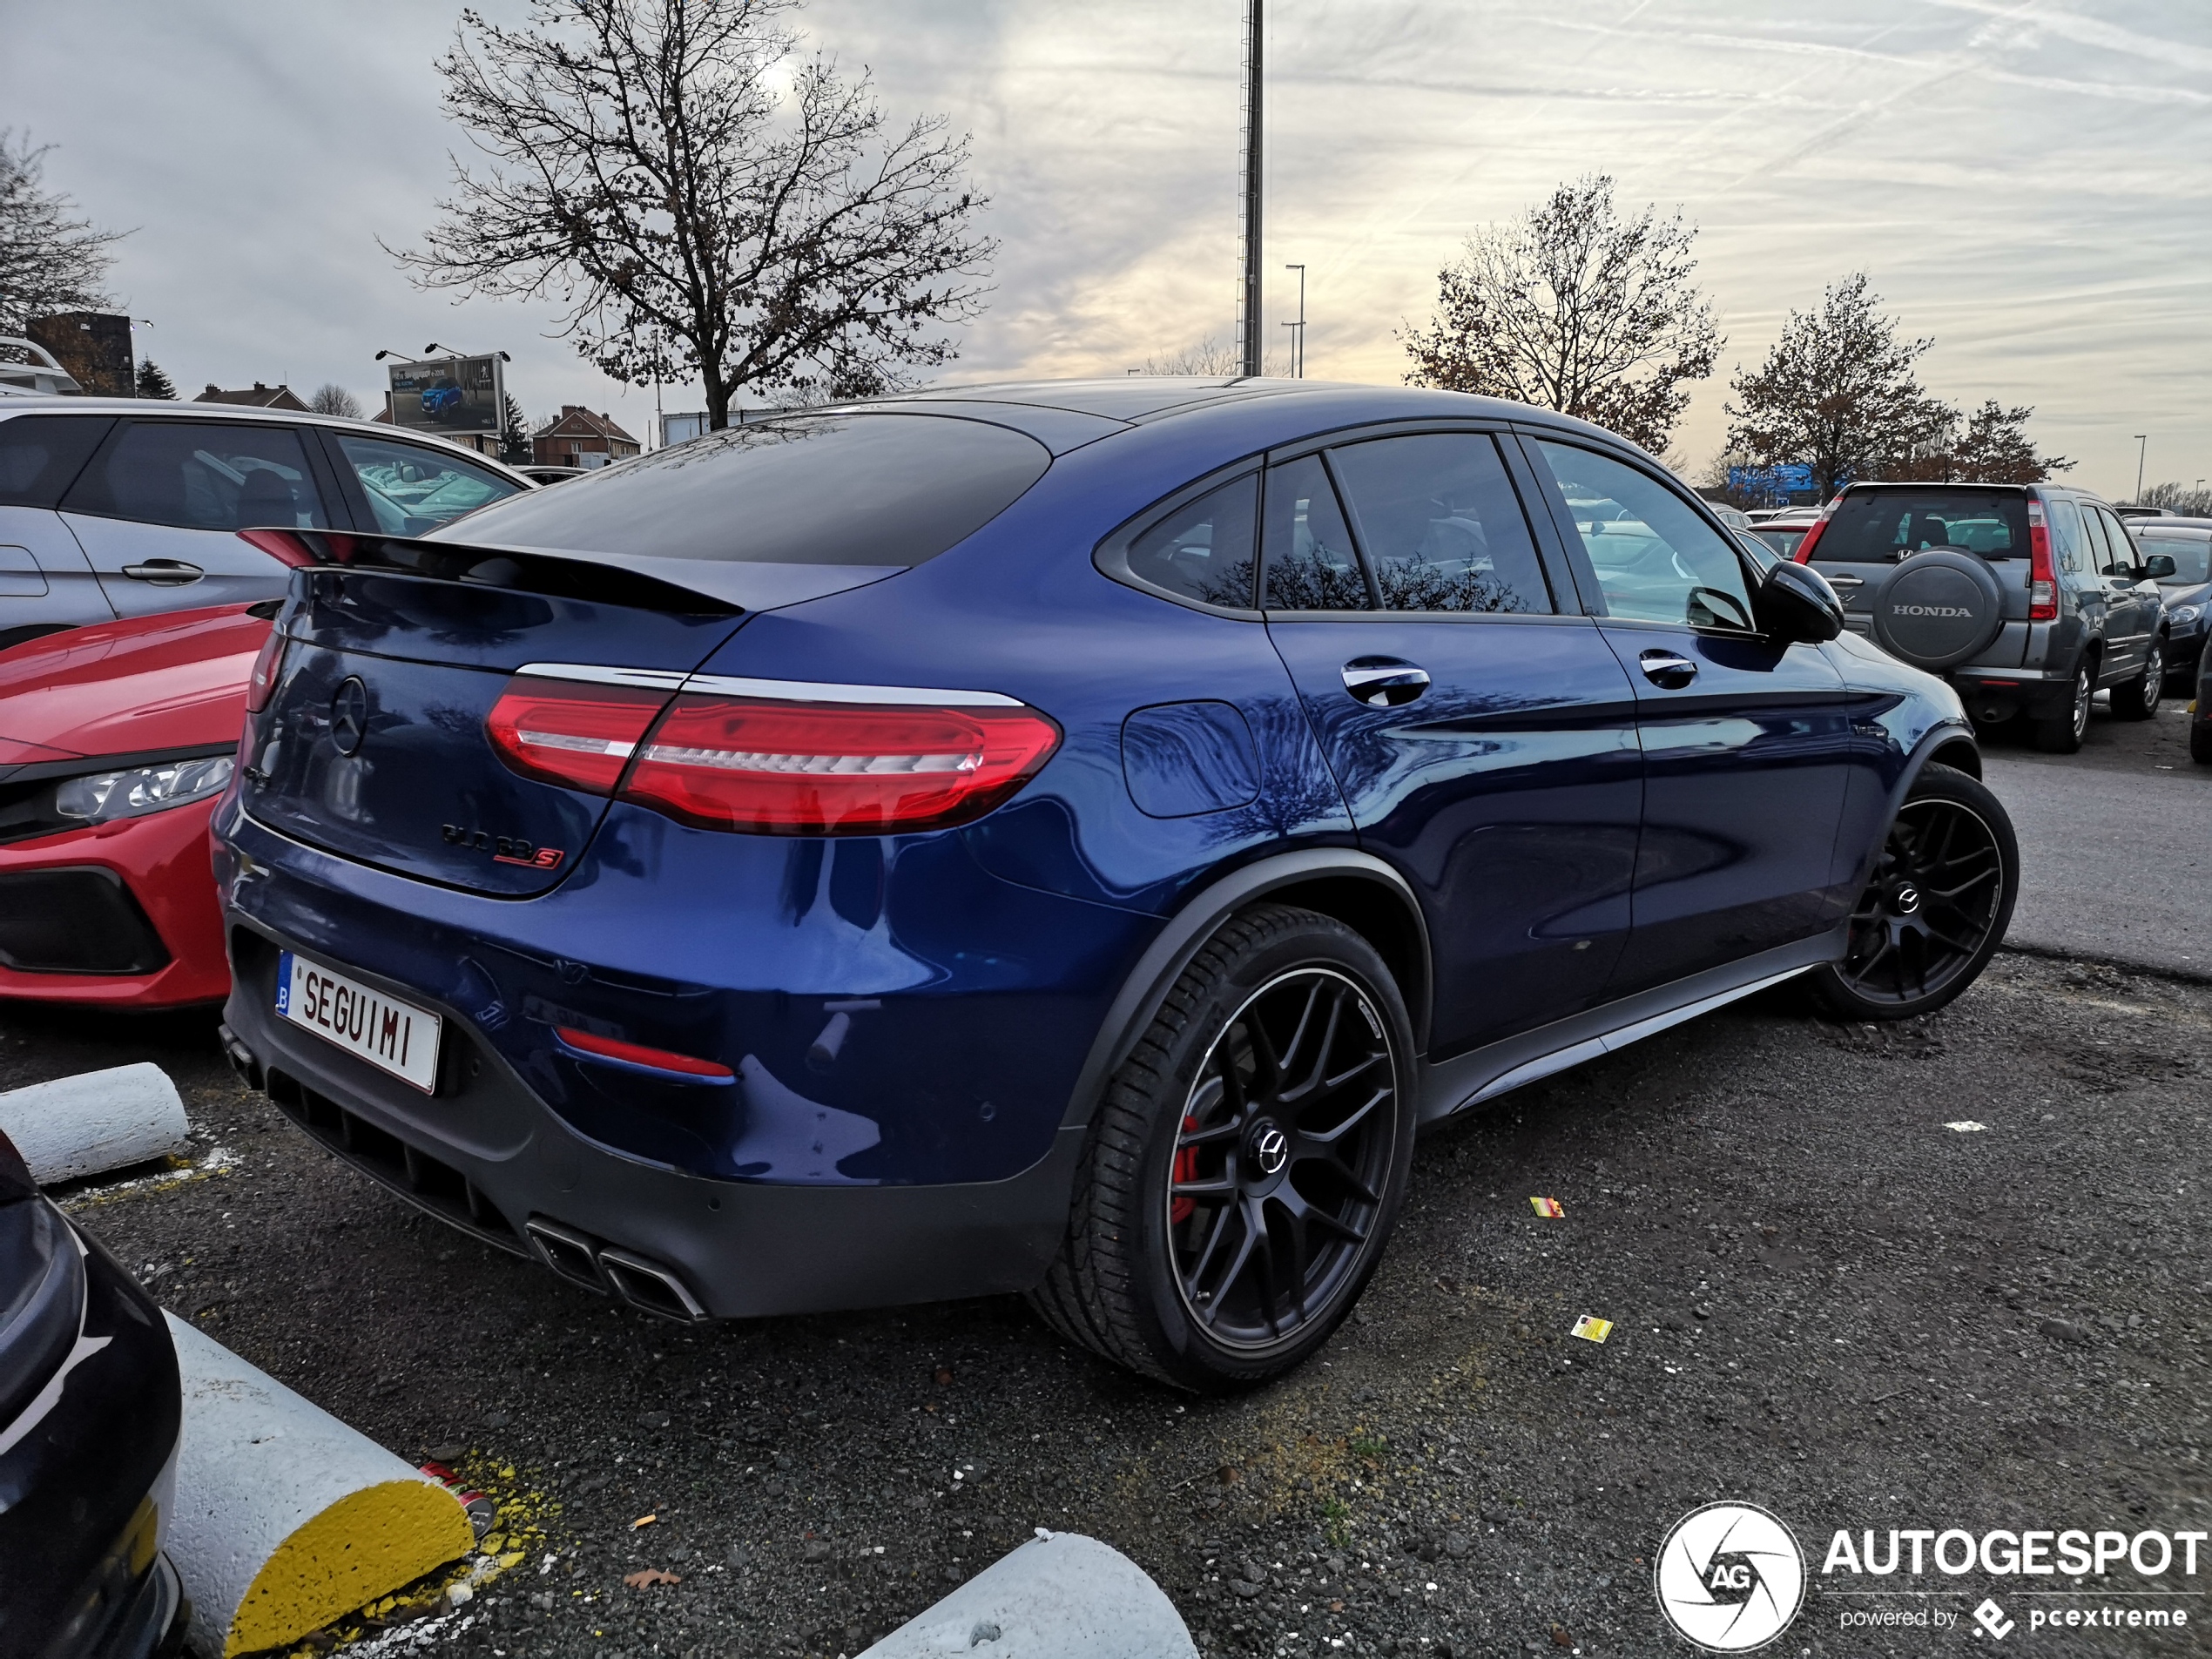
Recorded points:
(1730, 1577)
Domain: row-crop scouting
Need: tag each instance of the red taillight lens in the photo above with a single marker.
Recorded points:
(777, 768)
(1803, 555)
(637, 1053)
(268, 668)
(579, 735)
(2042, 578)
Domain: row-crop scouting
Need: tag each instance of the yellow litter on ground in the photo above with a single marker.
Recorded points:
(1592, 1330)
(1547, 1208)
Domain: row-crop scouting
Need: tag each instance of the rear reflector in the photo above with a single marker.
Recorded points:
(1803, 555)
(561, 731)
(786, 768)
(268, 667)
(637, 1053)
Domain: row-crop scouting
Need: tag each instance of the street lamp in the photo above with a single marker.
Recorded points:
(1298, 328)
(2142, 440)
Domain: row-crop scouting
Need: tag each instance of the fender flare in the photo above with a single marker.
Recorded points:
(1946, 737)
(1147, 984)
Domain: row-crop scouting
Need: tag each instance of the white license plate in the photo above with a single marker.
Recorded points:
(390, 1034)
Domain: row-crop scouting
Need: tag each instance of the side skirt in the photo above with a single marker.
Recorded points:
(1483, 1074)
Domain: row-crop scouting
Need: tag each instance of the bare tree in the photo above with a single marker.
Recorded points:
(1209, 358)
(704, 200)
(1838, 393)
(2190, 502)
(1994, 449)
(1572, 308)
(330, 398)
(49, 258)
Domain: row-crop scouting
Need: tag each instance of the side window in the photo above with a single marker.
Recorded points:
(1309, 564)
(2072, 539)
(413, 488)
(1657, 560)
(1441, 525)
(2120, 547)
(202, 476)
(1203, 550)
(40, 455)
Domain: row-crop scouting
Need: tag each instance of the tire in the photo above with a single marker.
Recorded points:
(1145, 1274)
(2061, 734)
(2138, 698)
(1935, 910)
(2201, 742)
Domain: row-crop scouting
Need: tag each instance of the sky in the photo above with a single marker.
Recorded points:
(2025, 181)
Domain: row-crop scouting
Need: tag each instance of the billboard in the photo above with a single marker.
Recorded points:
(449, 395)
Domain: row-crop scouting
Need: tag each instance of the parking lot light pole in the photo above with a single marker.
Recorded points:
(2143, 448)
(1248, 319)
(1298, 328)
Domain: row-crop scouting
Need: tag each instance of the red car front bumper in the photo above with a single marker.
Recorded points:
(133, 901)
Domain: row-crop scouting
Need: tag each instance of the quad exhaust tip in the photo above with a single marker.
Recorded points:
(582, 1259)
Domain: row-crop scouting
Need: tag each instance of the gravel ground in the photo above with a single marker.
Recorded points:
(1827, 1302)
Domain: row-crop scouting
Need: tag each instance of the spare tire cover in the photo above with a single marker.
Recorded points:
(1938, 608)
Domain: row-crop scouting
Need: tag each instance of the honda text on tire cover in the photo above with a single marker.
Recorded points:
(1064, 837)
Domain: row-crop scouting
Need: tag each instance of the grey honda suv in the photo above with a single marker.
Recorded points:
(2029, 598)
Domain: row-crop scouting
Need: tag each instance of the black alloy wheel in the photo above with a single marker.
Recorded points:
(1936, 906)
(1283, 1154)
(1242, 1173)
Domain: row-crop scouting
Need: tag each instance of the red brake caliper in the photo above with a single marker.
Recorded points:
(1186, 1168)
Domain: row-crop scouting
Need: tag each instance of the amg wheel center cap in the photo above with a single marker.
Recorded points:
(1271, 1150)
(349, 715)
(1907, 899)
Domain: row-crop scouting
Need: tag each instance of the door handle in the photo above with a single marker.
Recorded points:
(168, 573)
(1669, 670)
(1384, 682)
(1846, 581)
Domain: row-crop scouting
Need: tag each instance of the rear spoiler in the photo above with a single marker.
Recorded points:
(579, 577)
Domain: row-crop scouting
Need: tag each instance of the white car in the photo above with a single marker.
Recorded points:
(37, 375)
(122, 507)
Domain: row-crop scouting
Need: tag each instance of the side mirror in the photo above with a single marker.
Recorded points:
(2158, 566)
(1798, 606)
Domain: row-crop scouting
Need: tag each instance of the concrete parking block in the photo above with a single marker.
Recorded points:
(95, 1121)
(1061, 1595)
(286, 1518)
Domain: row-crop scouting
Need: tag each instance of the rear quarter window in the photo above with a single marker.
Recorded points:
(41, 455)
(1882, 527)
(861, 489)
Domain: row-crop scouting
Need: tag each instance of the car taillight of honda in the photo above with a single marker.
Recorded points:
(2042, 578)
(1803, 555)
(769, 766)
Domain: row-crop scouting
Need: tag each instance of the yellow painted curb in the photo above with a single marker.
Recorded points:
(366, 1545)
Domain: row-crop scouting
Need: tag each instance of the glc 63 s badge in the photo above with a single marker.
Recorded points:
(504, 849)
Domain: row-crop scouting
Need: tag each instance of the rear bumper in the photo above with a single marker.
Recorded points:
(2036, 692)
(120, 915)
(495, 1162)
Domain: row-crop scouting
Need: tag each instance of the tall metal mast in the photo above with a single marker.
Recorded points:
(1248, 317)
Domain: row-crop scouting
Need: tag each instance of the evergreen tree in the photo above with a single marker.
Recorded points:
(514, 443)
(154, 383)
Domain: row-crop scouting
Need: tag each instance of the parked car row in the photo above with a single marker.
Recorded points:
(2029, 598)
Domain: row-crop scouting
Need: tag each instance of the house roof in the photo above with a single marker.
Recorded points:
(577, 421)
(260, 397)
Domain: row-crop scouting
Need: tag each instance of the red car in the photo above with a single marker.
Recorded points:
(115, 742)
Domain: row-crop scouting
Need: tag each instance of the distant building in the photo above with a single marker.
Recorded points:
(682, 428)
(94, 346)
(261, 397)
(579, 438)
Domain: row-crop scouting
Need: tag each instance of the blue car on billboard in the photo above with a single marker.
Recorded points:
(442, 399)
(1063, 838)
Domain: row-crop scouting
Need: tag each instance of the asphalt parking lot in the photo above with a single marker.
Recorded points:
(1825, 1301)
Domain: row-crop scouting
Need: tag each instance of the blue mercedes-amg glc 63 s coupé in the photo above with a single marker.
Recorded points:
(1064, 837)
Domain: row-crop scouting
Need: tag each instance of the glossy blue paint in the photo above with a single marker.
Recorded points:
(914, 1011)
(1180, 759)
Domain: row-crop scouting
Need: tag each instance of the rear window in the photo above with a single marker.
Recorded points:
(1783, 539)
(1881, 527)
(883, 489)
(41, 455)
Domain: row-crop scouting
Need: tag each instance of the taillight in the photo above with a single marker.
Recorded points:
(2042, 578)
(575, 734)
(784, 768)
(1803, 555)
(268, 666)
